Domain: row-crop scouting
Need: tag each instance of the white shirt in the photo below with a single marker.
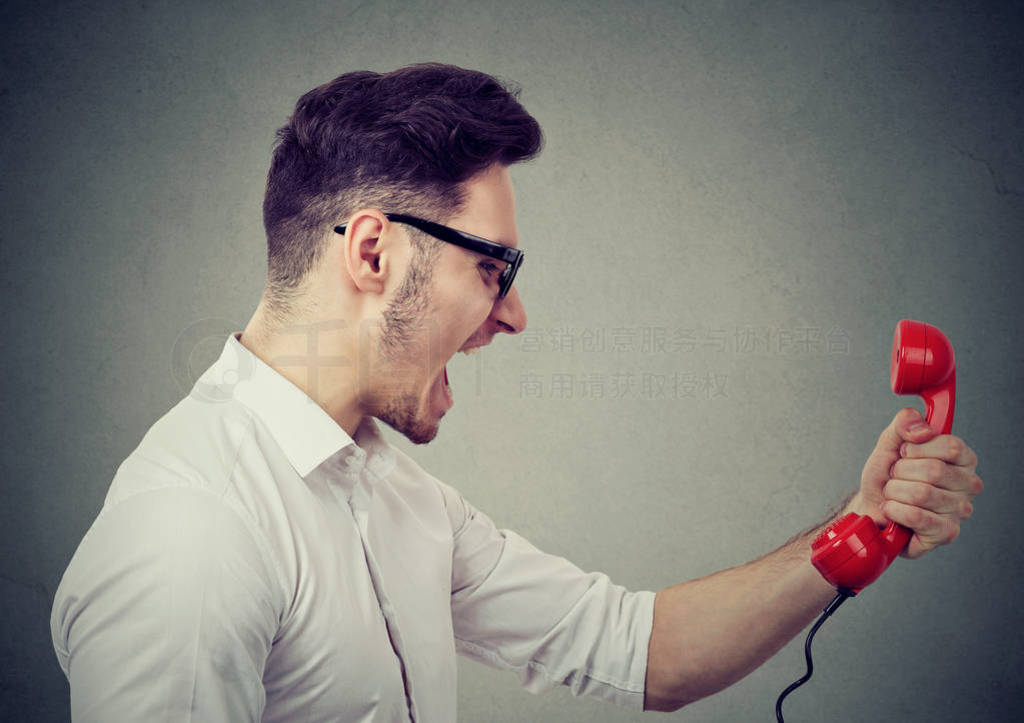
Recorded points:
(252, 562)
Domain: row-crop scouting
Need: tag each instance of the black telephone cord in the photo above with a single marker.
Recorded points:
(842, 596)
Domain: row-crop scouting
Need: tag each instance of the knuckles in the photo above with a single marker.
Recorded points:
(921, 495)
(934, 471)
(913, 516)
(938, 473)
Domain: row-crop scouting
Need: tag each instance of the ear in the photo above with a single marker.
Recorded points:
(366, 251)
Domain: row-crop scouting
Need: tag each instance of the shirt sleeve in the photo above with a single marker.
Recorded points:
(167, 612)
(538, 615)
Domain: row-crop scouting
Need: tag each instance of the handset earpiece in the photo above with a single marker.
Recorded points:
(922, 363)
(853, 552)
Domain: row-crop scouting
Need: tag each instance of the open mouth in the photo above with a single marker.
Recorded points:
(443, 388)
(442, 392)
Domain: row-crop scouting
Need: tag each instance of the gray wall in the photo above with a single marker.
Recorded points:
(765, 189)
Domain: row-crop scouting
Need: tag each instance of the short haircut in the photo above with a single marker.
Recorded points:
(402, 141)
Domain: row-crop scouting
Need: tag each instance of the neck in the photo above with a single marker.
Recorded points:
(318, 355)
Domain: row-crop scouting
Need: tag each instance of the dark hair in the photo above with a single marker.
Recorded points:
(403, 141)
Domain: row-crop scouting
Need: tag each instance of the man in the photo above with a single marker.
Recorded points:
(265, 555)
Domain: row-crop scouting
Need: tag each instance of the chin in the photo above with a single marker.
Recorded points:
(420, 434)
(413, 427)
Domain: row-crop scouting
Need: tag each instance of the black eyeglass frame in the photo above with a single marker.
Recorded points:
(512, 257)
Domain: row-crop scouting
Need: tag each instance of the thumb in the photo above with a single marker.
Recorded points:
(907, 426)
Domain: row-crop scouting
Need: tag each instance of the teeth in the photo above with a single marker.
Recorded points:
(473, 350)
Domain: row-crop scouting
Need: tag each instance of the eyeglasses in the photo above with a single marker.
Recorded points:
(513, 258)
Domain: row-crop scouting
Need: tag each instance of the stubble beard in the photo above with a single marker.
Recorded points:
(401, 415)
(404, 320)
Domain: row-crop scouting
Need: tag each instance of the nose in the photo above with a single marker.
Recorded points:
(508, 314)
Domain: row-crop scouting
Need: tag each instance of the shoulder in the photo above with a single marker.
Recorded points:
(173, 500)
(197, 444)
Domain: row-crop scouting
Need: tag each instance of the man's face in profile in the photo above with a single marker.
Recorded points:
(457, 309)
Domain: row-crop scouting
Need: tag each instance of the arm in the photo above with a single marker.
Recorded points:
(711, 632)
(539, 616)
(166, 612)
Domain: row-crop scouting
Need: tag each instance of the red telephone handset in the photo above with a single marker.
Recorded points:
(852, 552)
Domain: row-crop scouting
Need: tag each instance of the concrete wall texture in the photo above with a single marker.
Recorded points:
(736, 203)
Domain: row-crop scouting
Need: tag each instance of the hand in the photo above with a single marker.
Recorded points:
(920, 480)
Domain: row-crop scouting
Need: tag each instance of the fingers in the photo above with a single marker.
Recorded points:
(921, 480)
(945, 447)
(906, 426)
(930, 491)
(930, 529)
(928, 497)
(939, 474)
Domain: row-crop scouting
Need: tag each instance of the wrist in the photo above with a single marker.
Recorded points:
(859, 504)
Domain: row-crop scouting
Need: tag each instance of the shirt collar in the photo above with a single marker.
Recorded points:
(305, 432)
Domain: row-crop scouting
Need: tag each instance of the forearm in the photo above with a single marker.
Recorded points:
(711, 632)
